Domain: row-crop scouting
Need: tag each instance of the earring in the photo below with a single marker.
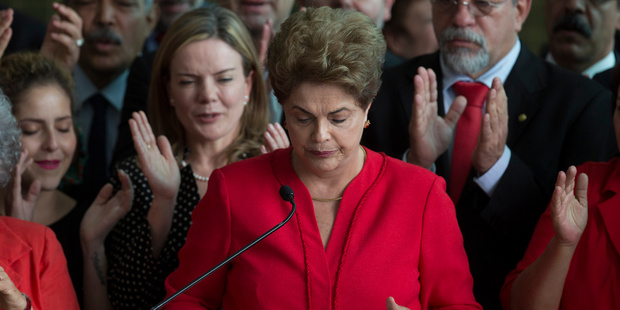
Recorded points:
(285, 125)
(367, 123)
(245, 102)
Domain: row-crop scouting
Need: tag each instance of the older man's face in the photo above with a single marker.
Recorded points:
(378, 10)
(114, 32)
(580, 31)
(472, 42)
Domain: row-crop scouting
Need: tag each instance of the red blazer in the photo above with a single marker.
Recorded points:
(593, 279)
(395, 234)
(33, 259)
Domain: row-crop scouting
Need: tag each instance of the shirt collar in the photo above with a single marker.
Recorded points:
(501, 69)
(113, 92)
(606, 63)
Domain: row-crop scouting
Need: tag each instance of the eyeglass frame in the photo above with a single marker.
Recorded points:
(456, 3)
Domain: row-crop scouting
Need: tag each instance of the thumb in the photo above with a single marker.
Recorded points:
(392, 305)
(457, 108)
(581, 189)
(33, 192)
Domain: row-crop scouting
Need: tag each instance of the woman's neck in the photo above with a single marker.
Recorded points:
(51, 206)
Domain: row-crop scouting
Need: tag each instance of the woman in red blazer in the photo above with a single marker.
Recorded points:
(367, 226)
(573, 259)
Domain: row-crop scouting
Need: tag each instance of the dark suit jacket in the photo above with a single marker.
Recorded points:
(568, 121)
(136, 95)
(28, 33)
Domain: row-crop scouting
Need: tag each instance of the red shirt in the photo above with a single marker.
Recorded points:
(593, 279)
(34, 260)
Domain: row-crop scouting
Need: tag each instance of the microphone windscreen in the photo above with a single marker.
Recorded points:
(286, 192)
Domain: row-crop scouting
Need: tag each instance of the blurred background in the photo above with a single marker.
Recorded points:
(533, 33)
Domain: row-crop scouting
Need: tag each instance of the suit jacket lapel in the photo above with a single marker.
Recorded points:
(524, 81)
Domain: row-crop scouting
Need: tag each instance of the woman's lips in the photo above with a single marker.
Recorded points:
(208, 117)
(48, 164)
(322, 154)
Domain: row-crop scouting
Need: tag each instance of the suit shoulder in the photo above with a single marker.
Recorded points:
(399, 170)
(409, 67)
(26, 230)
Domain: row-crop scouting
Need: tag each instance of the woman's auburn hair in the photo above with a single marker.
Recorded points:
(213, 22)
(327, 46)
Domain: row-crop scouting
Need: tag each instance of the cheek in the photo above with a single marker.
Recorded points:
(30, 144)
(68, 144)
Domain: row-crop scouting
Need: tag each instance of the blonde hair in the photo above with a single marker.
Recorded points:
(196, 25)
(327, 46)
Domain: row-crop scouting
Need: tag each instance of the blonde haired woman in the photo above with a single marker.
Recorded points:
(208, 103)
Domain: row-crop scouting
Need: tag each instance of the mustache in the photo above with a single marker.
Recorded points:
(103, 34)
(572, 22)
(462, 34)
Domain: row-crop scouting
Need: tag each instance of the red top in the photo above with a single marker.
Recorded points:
(593, 279)
(395, 234)
(34, 260)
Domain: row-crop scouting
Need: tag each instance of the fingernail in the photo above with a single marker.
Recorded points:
(270, 126)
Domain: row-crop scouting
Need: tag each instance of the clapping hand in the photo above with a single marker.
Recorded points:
(493, 130)
(6, 19)
(63, 37)
(17, 205)
(265, 39)
(429, 134)
(105, 212)
(156, 159)
(569, 207)
(275, 138)
(10, 297)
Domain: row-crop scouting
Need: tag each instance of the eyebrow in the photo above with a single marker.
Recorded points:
(34, 120)
(330, 113)
(216, 73)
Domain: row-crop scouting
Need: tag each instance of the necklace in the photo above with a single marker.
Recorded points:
(196, 176)
(337, 198)
(327, 199)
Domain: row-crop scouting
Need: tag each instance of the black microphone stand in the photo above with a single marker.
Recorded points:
(287, 194)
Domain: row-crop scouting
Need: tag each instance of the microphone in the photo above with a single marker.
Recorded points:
(286, 193)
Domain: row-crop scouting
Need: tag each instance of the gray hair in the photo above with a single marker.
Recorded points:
(10, 143)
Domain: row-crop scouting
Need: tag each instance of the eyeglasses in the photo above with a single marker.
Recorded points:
(477, 8)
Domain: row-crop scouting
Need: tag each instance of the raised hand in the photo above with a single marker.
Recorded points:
(105, 212)
(275, 138)
(19, 206)
(569, 207)
(265, 39)
(10, 297)
(63, 37)
(392, 305)
(429, 134)
(493, 130)
(6, 19)
(156, 159)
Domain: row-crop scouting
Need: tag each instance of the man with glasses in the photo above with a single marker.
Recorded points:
(499, 150)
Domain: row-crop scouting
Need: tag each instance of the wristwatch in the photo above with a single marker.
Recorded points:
(28, 302)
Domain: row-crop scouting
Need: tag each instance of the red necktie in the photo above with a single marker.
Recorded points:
(466, 135)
